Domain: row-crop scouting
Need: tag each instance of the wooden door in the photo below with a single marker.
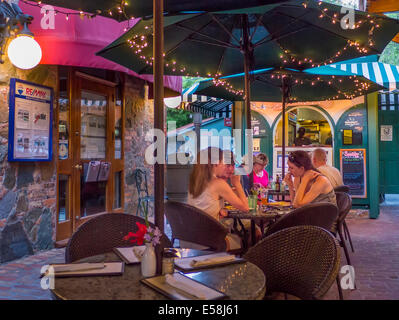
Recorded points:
(95, 134)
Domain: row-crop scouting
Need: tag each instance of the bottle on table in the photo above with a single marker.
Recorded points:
(277, 184)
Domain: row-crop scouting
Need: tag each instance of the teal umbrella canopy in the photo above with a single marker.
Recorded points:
(267, 86)
(293, 34)
(144, 8)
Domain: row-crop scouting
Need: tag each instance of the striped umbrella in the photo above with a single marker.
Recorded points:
(384, 74)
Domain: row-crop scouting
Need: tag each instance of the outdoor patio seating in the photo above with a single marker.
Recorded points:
(302, 261)
(322, 215)
(344, 203)
(191, 224)
(103, 233)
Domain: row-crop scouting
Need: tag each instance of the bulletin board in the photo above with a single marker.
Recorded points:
(30, 121)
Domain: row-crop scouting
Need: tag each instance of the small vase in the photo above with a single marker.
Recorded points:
(148, 261)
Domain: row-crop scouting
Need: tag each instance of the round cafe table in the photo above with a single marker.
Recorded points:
(261, 216)
(242, 281)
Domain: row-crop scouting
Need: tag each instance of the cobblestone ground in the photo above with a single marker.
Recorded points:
(376, 262)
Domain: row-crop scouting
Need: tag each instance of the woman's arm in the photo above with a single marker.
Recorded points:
(237, 199)
(291, 185)
(317, 188)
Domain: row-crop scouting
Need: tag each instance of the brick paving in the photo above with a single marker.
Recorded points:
(376, 262)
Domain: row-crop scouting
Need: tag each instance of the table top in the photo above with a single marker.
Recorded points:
(243, 281)
(270, 214)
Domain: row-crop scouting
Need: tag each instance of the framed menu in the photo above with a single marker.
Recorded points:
(30, 121)
(353, 170)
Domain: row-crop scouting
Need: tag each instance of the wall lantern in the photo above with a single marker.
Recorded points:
(23, 51)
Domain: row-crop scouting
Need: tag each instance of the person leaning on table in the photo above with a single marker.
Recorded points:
(305, 182)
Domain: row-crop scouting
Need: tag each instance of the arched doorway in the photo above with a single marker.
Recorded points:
(319, 129)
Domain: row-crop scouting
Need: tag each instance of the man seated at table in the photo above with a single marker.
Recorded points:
(319, 160)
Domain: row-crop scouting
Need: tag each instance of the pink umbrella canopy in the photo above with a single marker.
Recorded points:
(72, 41)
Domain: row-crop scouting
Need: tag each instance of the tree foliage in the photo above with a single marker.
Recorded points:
(180, 116)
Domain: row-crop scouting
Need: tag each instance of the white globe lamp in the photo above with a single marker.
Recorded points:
(24, 52)
(172, 102)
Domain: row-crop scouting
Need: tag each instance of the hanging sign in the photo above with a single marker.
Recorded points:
(30, 122)
(386, 133)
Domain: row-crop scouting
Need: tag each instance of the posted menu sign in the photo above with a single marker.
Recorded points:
(353, 170)
(30, 119)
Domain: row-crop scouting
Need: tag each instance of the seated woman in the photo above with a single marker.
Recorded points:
(307, 184)
(208, 192)
(260, 175)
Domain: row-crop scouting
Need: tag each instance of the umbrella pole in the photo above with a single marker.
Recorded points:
(284, 89)
(159, 122)
(247, 84)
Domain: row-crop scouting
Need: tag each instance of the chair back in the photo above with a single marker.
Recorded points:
(344, 204)
(342, 189)
(194, 225)
(322, 214)
(103, 233)
(303, 261)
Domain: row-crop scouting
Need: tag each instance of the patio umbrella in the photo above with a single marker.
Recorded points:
(144, 8)
(293, 34)
(287, 85)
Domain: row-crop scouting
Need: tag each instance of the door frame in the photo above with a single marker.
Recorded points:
(78, 81)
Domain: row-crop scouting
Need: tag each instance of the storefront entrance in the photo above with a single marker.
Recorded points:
(90, 131)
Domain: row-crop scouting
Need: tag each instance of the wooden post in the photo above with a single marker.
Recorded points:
(159, 122)
(246, 48)
(284, 90)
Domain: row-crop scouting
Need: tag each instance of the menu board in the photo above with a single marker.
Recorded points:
(30, 119)
(353, 170)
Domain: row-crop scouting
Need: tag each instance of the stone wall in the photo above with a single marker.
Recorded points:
(139, 119)
(27, 190)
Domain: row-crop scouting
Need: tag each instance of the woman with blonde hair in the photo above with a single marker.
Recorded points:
(208, 188)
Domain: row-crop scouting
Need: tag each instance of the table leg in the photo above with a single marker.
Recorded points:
(253, 235)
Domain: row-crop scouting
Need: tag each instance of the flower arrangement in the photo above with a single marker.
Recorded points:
(145, 233)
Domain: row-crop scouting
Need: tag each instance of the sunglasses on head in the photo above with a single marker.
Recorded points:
(291, 158)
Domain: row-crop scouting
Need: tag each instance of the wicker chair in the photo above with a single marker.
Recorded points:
(344, 203)
(322, 215)
(344, 225)
(103, 233)
(302, 261)
(191, 224)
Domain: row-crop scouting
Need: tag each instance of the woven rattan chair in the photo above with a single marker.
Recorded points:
(344, 203)
(191, 224)
(103, 233)
(322, 215)
(302, 261)
(344, 225)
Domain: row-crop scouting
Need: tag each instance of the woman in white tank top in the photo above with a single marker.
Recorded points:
(207, 192)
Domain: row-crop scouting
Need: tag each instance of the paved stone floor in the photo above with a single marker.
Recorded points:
(376, 261)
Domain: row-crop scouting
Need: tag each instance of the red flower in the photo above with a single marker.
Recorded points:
(139, 235)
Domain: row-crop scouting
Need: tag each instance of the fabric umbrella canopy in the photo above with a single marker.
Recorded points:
(287, 85)
(267, 85)
(122, 10)
(384, 74)
(289, 34)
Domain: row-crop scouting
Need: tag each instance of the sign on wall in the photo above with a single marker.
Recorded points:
(30, 121)
(386, 133)
(353, 170)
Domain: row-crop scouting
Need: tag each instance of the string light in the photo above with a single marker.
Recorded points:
(119, 9)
